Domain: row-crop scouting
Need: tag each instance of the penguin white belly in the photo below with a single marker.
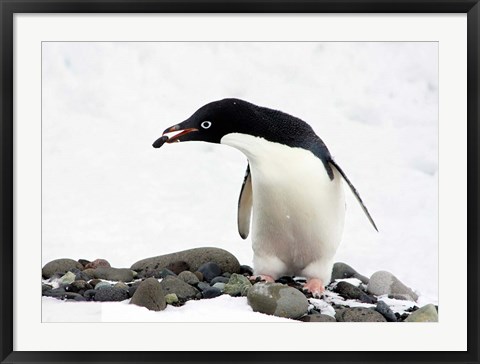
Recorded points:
(298, 212)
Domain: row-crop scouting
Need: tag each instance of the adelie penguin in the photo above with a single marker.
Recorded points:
(292, 193)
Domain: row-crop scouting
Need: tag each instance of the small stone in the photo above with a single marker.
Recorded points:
(121, 285)
(226, 274)
(46, 287)
(277, 299)
(220, 286)
(61, 266)
(219, 279)
(202, 286)
(94, 282)
(184, 291)
(211, 292)
(98, 263)
(342, 270)
(89, 272)
(114, 274)
(80, 298)
(89, 294)
(78, 286)
(60, 293)
(317, 317)
(67, 278)
(238, 285)
(150, 294)
(162, 273)
(384, 282)
(427, 313)
(111, 294)
(383, 309)
(199, 275)
(358, 314)
(178, 267)
(83, 262)
(171, 298)
(188, 277)
(246, 269)
(210, 270)
(101, 285)
(81, 276)
(349, 291)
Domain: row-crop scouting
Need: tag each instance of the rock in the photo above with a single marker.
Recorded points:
(178, 267)
(211, 292)
(61, 266)
(220, 286)
(238, 285)
(121, 285)
(83, 262)
(199, 275)
(188, 277)
(110, 294)
(67, 278)
(98, 263)
(94, 282)
(46, 287)
(384, 282)
(210, 270)
(60, 293)
(171, 298)
(220, 279)
(383, 309)
(194, 258)
(349, 291)
(89, 294)
(202, 286)
(342, 270)
(358, 314)
(89, 272)
(101, 285)
(80, 298)
(183, 290)
(150, 294)
(114, 274)
(78, 286)
(277, 299)
(162, 273)
(246, 269)
(427, 313)
(318, 317)
(81, 276)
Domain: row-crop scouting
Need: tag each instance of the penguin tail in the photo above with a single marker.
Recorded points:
(354, 191)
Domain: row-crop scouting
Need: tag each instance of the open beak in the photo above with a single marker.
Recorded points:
(177, 137)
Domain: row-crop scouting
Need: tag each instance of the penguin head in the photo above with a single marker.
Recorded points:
(213, 121)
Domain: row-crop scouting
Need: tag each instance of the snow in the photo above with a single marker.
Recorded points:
(107, 193)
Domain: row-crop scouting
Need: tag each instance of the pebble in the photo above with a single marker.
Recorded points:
(358, 314)
(110, 294)
(317, 317)
(277, 299)
(94, 282)
(98, 263)
(202, 286)
(210, 270)
(89, 294)
(81, 276)
(60, 293)
(160, 141)
(114, 274)
(194, 258)
(46, 287)
(349, 291)
(342, 270)
(383, 282)
(101, 285)
(427, 313)
(162, 273)
(199, 275)
(61, 266)
(246, 269)
(188, 277)
(220, 286)
(211, 292)
(383, 309)
(220, 279)
(78, 286)
(150, 294)
(184, 291)
(121, 285)
(238, 285)
(178, 267)
(83, 262)
(67, 278)
(171, 298)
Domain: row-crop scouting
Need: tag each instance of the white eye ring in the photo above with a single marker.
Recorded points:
(206, 124)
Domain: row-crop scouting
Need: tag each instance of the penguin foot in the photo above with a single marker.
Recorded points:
(261, 277)
(315, 287)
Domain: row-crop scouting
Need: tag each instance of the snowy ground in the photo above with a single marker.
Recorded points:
(106, 193)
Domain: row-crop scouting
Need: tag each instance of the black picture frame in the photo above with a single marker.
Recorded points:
(10, 7)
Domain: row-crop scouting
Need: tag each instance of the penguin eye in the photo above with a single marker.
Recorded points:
(206, 124)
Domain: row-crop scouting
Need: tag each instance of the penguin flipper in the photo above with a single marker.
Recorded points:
(354, 191)
(245, 205)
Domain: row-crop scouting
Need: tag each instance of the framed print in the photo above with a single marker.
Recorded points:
(193, 179)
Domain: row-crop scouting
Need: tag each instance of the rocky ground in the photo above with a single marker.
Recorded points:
(205, 273)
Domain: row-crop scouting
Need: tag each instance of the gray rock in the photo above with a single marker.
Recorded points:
(46, 287)
(184, 291)
(384, 282)
(81, 276)
(383, 309)
(211, 292)
(221, 286)
(106, 294)
(188, 277)
(121, 285)
(101, 285)
(114, 274)
(60, 293)
(237, 285)
(202, 286)
(358, 314)
(98, 263)
(78, 286)
(246, 269)
(67, 278)
(193, 257)
(277, 299)
(171, 298)
(89, 294)
(318, 317)
(178, 267)
(427, 313)
(210, 270)
(150, 294)
(162, 273)
(342, 270)
(349, 291)
(61, 266)
(220, 279)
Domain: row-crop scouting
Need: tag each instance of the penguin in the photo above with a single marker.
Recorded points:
(292, 194)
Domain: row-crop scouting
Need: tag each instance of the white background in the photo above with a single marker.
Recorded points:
(102, 111)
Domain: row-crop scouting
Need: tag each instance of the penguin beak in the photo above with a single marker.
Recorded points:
(178, 137)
